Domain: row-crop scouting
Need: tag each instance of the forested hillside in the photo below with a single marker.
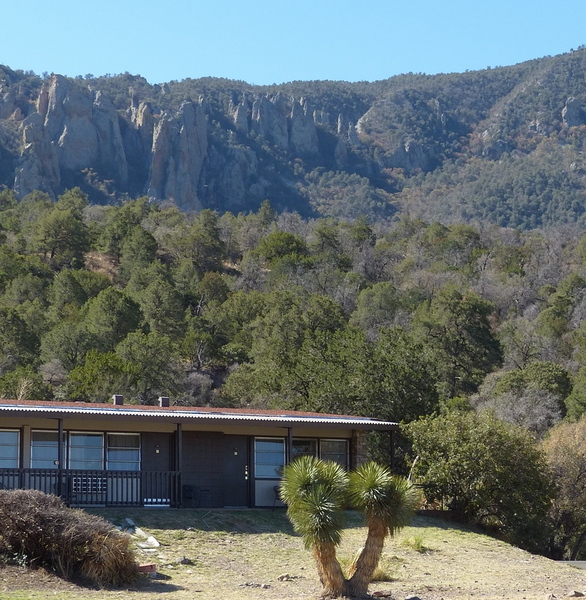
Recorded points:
(388, 320)
(501, 145)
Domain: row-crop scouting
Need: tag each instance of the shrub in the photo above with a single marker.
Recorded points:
(41, 531)
(415, 543)
(565, 450)
(487, 471)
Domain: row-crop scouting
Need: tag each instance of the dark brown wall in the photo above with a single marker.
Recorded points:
(203, 463)
(153, 460)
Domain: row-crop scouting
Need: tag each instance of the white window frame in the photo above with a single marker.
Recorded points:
(70, 448)
(111, 463)
(346, 465)
(55, 464)
(17, 431)
(276, 476)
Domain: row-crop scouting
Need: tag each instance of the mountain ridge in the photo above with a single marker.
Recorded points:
(323, 148)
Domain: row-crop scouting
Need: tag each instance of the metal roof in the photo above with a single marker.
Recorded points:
(190, 414)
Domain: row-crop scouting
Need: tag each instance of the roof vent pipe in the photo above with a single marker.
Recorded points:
(117, 400)
(164, 401)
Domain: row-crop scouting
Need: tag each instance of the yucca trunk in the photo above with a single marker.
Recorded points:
(329, 570)
(362, 569)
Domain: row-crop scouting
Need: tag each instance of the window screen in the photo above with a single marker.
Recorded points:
(269, 457)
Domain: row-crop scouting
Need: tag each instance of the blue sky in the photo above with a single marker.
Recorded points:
(272, 41)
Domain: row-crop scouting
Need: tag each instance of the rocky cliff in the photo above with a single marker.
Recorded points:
(71, 129)
(306, 146)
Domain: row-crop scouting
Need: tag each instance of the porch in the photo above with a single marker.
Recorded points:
(116, 455)
(99, 488)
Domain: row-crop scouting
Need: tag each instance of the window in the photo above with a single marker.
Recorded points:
(335, 450)
(123, 452)
(304, 448)
(44, 450)
(86, 451)
(9, 445)
(269, 457)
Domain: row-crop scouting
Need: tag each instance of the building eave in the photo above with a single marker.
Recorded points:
(193, 415)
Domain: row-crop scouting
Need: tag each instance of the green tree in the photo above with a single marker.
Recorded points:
(487, 471)
(60, 234)
(142, 278)
(186, 278)
(544, 375)
(277, 338)
(110, 317)
(138, 250)
(266, 214)
(23, 383)
(239, 314)
(91, 282)
(150, 361)
(18, 345)
(25, 288)
(281, 338)
(405, 375)
(69, 343)
(204, 339)
(101, 375)
(576, 401)
(279, 244)
(8, 199)
(11, 265)
(73, 199)
(376, 307)
(325, 237)
(120, 222)
(554, 320)
(162, 308)
(201, 243)
(66, 296)
(211, 288)
(456, 327)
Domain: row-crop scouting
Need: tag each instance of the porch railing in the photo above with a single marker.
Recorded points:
(99, 488)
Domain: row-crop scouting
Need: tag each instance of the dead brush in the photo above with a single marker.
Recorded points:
(42, 531)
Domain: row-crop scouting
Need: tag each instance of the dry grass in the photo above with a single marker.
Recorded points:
(253, 555)
(40, 531)
(101, 263)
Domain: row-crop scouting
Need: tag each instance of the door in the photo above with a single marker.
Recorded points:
(156, 464)
(236, 471)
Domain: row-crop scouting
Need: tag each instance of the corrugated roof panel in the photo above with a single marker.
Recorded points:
(189, 414)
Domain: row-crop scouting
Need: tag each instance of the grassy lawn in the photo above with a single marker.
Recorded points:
(253, 554)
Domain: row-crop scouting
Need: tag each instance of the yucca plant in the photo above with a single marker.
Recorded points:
(315, 493)
(388, 502)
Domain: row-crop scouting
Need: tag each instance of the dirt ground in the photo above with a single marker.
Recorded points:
(252, 555)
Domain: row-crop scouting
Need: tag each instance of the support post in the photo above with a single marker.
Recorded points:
(179, 462)
(60, 456)
(289, 446)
